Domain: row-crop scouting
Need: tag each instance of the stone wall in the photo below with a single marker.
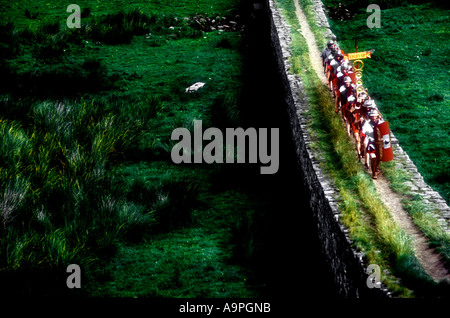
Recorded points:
(345, 263)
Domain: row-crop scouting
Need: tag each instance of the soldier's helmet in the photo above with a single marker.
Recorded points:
(347, 79)
(373, 113)
(330, 43)
(362, 95)
(369, 104)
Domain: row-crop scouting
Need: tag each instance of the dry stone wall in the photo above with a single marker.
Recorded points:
(345, 263)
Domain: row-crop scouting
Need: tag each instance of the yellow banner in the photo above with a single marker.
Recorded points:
(359, 55)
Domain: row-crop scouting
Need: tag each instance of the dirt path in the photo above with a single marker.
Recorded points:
(431, 261)
(314, 52)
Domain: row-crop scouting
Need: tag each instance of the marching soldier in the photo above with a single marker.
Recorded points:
(334, 63)
(329, 68)
(360, 116)
(347, 110)
(359, 112)
(369, 105)
(342, 71)
(361, 99)
(325, 54)
(372, 142)
(345, 91)
(356, 119)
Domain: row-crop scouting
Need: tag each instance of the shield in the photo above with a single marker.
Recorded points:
(387, 154)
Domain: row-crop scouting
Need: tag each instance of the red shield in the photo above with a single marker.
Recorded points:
(387, 154)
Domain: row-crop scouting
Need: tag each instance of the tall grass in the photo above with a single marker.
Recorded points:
(60, 203)
(60, 146)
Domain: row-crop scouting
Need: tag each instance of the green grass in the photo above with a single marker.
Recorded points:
(51, 11)
(188, 261)
(419, 211)
(85, 122)
(371, 227)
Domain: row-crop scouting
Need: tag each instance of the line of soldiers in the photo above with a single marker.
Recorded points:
(359, 111)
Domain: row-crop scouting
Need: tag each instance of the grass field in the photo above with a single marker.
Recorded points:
(86, 176)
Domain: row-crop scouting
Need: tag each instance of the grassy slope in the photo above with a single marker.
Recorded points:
(144, 71)
(49, 11)
(193, 261)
